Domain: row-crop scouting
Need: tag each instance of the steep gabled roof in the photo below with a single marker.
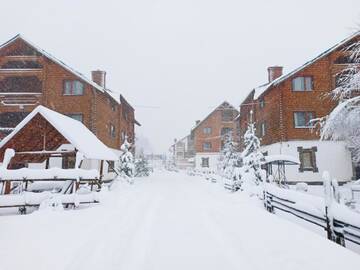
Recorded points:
(225, 103)
(72, 130)
(263, 88)
(62, 64)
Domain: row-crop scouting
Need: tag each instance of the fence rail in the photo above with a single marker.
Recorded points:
(337, 230)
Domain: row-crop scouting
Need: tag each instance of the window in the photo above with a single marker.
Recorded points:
(112, 131)
(28, 84)
(307, 158)
(111, 166)
(207, 146)
(227, 115)
(262, 129)
(302, 84)
(76, 116)
(207, 130)
(112, 105)
(73, 88)
(262, 103)
(302, 119)
(68, 162)
(123, 135)
(205, 162)
(226, 131)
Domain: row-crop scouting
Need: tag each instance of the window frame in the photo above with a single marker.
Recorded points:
(112, 130)
(76, 114)
(205, 164)
(72, 91)
(312, 151)
(307, 120)
(262, 129)
(304, 83)
(205, 148)
(207, 130)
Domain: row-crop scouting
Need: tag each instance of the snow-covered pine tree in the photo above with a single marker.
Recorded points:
(343, 123)
(142, 167)
(229, 157)
(252, 156)
(126, 166)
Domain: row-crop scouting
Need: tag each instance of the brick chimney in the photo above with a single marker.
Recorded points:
(274, 72)
(99, 77)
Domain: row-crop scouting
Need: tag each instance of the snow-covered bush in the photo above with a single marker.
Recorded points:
(343, 123)
(142, 167)
(252, 156)
(126, 165)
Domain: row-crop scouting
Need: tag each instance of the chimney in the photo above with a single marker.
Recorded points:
(274, 72)
(197, 122)
(99, 76)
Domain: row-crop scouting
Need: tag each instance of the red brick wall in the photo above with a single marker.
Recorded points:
(95, 106)
(214, 121)
(281, 102)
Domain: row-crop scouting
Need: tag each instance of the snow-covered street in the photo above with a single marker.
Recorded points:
(166, 221)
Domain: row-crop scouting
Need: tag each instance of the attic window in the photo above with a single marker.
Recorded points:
(302, 84)
(227, 115)
(262, 103)
(73, 88)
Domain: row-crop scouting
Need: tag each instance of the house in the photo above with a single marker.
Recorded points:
(284, 106)
(184, 153)
(207, 135)
(46, 139)
(30, 76)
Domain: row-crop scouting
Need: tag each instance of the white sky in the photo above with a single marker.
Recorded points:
(180, 58)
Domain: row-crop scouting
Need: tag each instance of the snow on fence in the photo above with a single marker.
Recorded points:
(336, 219)
(31, 199)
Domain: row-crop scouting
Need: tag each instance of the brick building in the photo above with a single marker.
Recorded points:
(207, 135)
(284, 106)
(29, 76)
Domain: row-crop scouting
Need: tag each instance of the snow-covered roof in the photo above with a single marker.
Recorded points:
(73, 131)
(113, 94)
(225, 103)
(263, 88)
(282, 158)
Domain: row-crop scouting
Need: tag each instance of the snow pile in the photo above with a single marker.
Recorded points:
(169, 222)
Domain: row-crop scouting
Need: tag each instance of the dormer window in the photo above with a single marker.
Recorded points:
(302, 84)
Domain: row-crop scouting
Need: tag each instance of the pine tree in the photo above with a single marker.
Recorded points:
(252, 155)
(229, 157)
(127, 166)
(142, 167)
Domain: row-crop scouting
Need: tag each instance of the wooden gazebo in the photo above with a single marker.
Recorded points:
(40, 135)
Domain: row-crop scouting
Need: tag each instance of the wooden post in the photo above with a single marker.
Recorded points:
(101, 169)
(47, 164)
(7, 187)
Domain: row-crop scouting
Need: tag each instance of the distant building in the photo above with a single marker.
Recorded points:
(183, 151)
(284, 107)
(29, 76)
(207, 135)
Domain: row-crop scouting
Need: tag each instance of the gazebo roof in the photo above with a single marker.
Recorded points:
(281, 159)
(46, 130)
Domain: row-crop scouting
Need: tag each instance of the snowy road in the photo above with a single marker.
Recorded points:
(168, 221)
